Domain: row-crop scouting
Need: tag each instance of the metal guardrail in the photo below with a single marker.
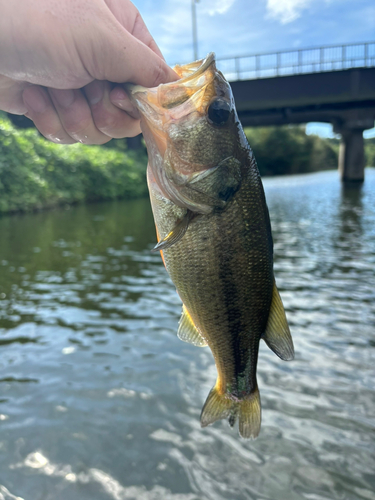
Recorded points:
(299, 61)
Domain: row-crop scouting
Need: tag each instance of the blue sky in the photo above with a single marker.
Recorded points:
(240, 27)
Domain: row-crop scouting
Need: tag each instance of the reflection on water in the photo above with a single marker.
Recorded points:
(100, 400)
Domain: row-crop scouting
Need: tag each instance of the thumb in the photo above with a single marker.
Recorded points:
(125, 58)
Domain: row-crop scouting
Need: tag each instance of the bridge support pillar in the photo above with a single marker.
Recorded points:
(352, 155)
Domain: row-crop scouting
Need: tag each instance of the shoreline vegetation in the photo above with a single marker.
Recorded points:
(36, 174)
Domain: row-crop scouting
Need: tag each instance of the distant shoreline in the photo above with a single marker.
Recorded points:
(37, 175)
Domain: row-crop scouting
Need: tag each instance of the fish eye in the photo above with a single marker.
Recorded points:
(219, 111)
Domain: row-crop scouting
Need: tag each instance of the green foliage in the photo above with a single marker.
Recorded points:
(370, 152)
(288, 150)
(35, 173)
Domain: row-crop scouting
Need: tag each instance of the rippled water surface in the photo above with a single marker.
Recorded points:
(99, 399)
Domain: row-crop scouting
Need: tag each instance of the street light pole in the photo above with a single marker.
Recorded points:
(194, 21)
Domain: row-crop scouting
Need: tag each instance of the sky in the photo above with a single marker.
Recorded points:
(241, 27)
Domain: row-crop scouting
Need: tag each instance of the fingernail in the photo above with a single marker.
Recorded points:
(94, 92)
(34, 100)
(63, 97)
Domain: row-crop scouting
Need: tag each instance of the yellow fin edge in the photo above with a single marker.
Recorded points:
(247, 409)
(187, 331)
(277, 334)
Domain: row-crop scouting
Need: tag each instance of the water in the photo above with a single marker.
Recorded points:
(99, 399)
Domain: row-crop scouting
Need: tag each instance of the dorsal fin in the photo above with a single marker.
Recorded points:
(277, 335)
(187, 331)
(176, 234)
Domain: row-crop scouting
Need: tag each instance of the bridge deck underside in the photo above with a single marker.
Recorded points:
(338, 97)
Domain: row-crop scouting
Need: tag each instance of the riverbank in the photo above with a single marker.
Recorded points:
(36, 174)
(288, 150)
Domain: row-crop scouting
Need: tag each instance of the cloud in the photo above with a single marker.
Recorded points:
(286, 11)
(173, 24)
(248, 27)
(221, 28)
(217, 6)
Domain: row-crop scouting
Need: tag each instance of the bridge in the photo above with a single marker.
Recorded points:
(333, 84)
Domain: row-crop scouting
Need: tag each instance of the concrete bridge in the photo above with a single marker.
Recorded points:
(333, 84)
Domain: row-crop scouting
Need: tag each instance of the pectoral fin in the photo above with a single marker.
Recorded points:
(176, 234)
(277, 335)
(188, 332)
(217, 185)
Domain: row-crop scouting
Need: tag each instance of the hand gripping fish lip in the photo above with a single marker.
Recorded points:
(189, 73)
(190, 93)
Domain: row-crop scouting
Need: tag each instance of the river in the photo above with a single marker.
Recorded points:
(99, 400)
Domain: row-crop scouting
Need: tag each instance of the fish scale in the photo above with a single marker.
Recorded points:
(219, 277)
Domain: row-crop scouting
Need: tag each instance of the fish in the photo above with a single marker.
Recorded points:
(214, 233)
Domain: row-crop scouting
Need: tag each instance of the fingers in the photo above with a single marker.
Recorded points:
(141, 32)
(42, 112)
(75, 116)
(120, 98)
(108, 118)
(128, 16)
(135, 62)
(142, 66)
(88, 116)
(11, 95)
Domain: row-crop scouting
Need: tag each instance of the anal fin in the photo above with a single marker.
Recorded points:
(277, 334)
(176, 234)
(188, 332)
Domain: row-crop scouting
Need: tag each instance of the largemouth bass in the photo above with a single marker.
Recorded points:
(214, 233)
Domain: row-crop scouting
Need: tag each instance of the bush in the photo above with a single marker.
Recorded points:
(370, 152)
(288, 150)
(35, 173)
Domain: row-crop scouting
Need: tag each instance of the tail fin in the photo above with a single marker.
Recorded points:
(248, 410)
(250, 415)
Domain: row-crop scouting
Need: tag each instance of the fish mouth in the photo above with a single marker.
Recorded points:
(185, 99)
(172, 101)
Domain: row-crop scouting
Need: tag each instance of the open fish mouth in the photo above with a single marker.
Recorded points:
(199, 83)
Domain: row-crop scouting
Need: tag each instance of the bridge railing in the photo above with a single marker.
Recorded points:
(299, 61)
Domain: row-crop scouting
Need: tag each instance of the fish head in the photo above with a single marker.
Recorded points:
(190, 127)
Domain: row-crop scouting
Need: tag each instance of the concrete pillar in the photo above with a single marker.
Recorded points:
(352, 155)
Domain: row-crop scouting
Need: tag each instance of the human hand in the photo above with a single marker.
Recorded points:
(60, 61)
